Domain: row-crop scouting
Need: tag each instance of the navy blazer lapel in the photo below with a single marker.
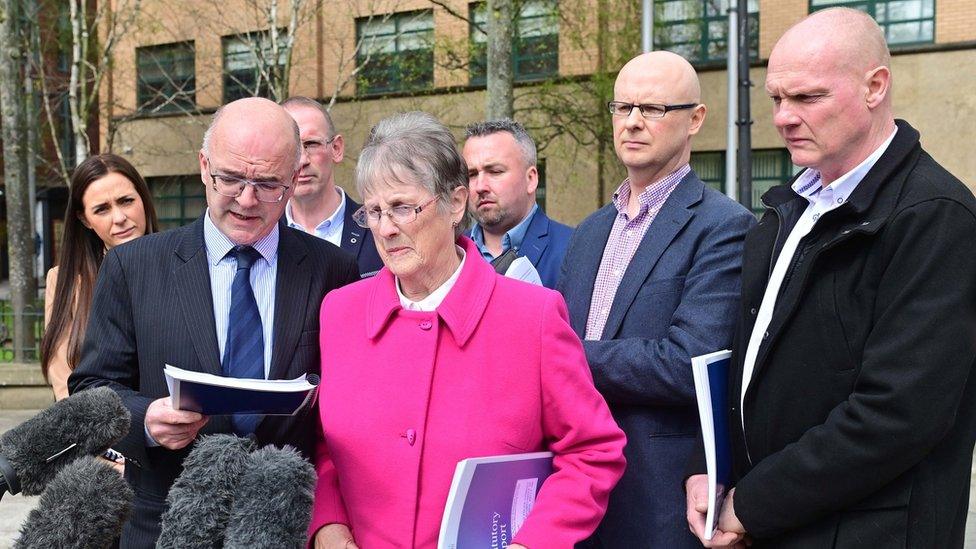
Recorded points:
(192, 275)
(587, 264)
(292, 284)
(352, 234)
(674, 215)
(536, 238)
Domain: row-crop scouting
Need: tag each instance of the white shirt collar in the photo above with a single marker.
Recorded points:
(336, 217)
(218, 245)
(823, 199)
(432, 301)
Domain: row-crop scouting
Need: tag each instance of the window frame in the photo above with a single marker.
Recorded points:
(233, 82)
(389, 67)
(871, 9)
(784, 168)
(705, 38)
(477, 51)
(148, 89)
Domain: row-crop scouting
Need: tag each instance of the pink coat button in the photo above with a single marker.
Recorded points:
(411, 436)
(425, 324)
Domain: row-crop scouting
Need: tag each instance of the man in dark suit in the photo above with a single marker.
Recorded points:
(501, 159)
(235, 293)
(852, 402)
(320, 207)
(651, 280)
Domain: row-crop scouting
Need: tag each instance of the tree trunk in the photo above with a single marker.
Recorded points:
(20, 241)
(500, 100)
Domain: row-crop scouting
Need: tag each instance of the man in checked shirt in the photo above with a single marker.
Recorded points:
(651, 280)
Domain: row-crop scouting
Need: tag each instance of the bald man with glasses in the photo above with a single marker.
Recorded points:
(651, 280)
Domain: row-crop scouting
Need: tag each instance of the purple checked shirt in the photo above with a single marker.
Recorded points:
(625, 237)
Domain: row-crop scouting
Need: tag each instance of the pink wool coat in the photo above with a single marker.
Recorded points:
(405, 395)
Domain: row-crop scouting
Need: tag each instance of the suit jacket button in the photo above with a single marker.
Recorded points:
(425, 324)
(752, 311)
(352, 240)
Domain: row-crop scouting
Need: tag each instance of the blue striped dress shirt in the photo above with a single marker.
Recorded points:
(263, 276)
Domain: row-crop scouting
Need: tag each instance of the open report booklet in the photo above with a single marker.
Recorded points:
(711, 373)
(213, 395)
(490, 498)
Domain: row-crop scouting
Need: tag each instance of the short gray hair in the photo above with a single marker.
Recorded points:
(208, 138)
(414, 148)
(302, 101)
(522, 137)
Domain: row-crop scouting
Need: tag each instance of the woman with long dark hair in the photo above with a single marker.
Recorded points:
(109, 204)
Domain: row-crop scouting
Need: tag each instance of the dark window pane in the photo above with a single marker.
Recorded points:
(166, 78)
(698, 29)
(248, 66)
(535, 51)
(397, 52)
(178, 199)
(904, 21)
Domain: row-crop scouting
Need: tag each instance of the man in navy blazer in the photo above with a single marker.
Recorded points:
(651, 280)
(175, 298)
(502, 172)
(320, 207)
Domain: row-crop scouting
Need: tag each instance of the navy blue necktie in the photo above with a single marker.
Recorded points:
(244, 348)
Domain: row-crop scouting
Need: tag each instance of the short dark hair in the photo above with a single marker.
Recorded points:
(522, 137)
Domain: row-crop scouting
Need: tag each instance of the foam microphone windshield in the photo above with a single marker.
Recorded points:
(85, 423)
(273, 505)
(83, 507)
(201, 497)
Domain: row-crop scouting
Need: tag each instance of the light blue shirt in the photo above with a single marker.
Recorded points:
(511, 239)
(331, 228)
(222, 270)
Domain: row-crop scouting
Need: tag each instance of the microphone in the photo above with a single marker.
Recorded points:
(201, 497)
(83, 507)
(85, 423)
(273, 504)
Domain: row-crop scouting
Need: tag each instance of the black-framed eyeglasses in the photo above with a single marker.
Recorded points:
(400, 214)
(647, 110)
(233, 186)
(314, 145)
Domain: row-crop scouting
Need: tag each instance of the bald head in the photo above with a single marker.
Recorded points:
(842, 38)
(253, 119)
(830, 81)
(664, 72)
(655, 144)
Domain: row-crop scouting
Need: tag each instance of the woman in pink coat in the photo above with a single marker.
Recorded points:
(438, 359)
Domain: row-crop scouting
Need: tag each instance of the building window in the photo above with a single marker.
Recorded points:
(166, 78)
(396, 52)
(535, 52)
(178, 199)
(770, 167)
(249, 65)
(698, 29)
(904, 22)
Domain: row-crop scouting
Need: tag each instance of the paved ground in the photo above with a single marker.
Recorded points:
(15, 508)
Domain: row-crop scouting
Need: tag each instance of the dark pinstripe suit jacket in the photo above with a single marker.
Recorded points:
(153, 306)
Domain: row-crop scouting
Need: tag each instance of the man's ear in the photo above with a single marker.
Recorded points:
(697, 118)
(532, 178)
(338, 148)
(877, 82)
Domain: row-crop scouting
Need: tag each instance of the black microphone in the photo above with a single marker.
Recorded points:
(83, 507)
(201, 497)
(273, 504)
(85, 423)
